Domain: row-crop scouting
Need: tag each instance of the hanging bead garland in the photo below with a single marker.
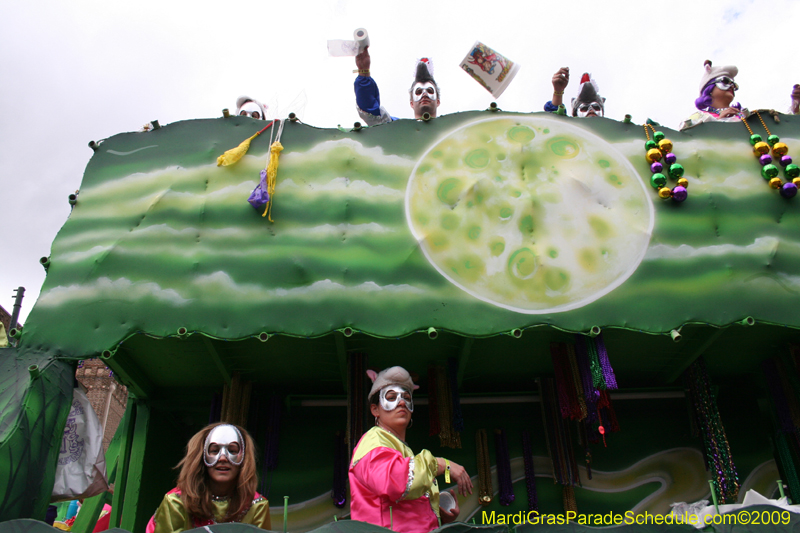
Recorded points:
(583, 376)
(789, 466)
(568, 494)
(559, 439)
(661, 148)
(448, 436)
(780, 152)
(717, 449)
(567, 395)
(598, 381)
(530, 473)
(485, 492)
(576, 381)
(236, 401)
(505, 485)
(784, 395)
(340, 468)
(590, 393)
(608, 373)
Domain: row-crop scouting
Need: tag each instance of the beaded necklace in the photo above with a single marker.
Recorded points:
(658, 148)
(715, 441)
(506, 487)
(780, 152)
(530, 473)
(484, 470)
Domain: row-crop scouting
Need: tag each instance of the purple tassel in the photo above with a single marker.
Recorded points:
(608, 372)
(530, 474)
(506, 488)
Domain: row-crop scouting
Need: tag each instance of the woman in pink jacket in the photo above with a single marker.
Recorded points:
(385, 473)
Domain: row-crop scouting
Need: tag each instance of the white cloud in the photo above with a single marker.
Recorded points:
(121, 289)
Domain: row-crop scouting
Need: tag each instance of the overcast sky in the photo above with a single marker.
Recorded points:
(79, 70)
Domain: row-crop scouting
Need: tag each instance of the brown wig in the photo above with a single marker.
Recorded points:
(193, 480)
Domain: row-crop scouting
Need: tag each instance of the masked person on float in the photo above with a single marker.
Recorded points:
(715, 103)
(251, 108)
(589, 103)
(385, 473)
(217, 483)
(424, 92)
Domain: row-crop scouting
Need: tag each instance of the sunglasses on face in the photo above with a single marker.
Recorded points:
(594, 106)
(724, 83)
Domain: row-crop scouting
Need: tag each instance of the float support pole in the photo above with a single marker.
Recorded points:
(133, 488)
(285, 512)
(713, 495)
(20, 293)
(125, 430)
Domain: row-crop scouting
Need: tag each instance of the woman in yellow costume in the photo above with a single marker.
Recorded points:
(217, 483)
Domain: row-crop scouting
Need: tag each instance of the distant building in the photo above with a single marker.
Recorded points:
(5, 318)
(108, 398)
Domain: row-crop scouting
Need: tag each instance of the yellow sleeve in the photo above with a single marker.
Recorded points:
(171, 516)
(425, 470)
(258, 515)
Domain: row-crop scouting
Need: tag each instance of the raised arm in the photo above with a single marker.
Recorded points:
(560, 81)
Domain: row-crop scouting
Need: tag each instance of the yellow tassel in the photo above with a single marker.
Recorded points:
(272, 175)
(235, 154)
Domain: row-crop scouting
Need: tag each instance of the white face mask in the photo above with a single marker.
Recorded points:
(391, 395)
(225, 440)
(251, 109)
(424, 89)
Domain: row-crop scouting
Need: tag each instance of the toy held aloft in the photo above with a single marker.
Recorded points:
(489, 68)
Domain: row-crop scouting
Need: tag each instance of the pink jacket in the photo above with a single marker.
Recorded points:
(385, 473)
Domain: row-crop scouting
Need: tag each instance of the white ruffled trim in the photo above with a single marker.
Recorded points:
(410, 478)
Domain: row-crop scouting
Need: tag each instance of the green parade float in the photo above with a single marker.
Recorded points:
(481, 251)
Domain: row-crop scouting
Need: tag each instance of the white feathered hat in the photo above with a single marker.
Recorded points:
(242, 100)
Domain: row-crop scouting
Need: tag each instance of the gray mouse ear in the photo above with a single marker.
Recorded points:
(372, 375)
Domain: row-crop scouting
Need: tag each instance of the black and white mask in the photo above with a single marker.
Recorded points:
(424, 89)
